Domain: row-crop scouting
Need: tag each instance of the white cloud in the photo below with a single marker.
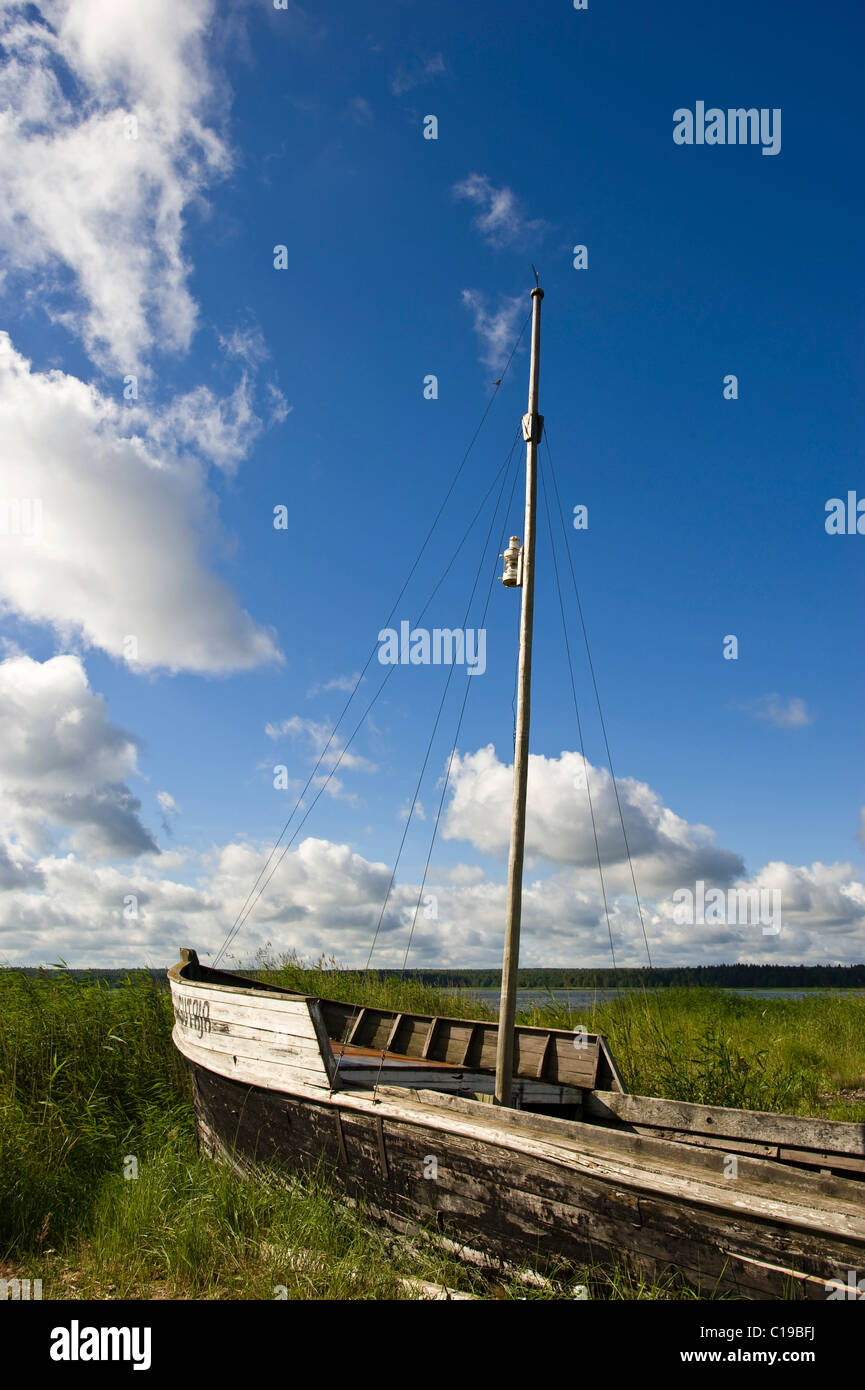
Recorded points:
(666, 850)
(63, 765)
(496, 328)
(119, 553)
(500, 218)
(326, 899)
(97, 187)
(784, 712)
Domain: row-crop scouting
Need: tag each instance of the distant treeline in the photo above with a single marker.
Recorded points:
(719, 976)
(564, 977)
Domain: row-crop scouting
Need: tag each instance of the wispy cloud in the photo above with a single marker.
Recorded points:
(782, 711)
(345, 683)
(317, 736)
(497, 328)
(500, 216)
(416, 74)
(247, 344)
(169, 809)
(360, 110)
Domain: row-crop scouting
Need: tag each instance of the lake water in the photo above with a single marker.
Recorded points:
(580, 999)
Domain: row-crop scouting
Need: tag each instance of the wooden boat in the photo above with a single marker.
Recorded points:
(519, 1145)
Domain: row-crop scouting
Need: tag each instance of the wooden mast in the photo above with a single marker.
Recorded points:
(533, 424)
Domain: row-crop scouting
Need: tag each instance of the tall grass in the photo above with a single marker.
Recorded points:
(791, 1056)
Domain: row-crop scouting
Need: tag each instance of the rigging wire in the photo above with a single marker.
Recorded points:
(243, 914)
(256, 893)
(579, 721)
(598, 701)
(453, 752)
(495, 512)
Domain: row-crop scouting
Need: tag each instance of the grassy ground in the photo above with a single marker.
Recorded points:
(92, 1090)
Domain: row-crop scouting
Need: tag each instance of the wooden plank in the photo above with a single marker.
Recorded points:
(544, 1054)
(257, 1071)
(429, 1038)
(356, 1026)
(473, 1034)
(826, 1136)
(246, 1032)
(257, 1049)
(451, 1081)
(290, 1017)
(650, 1164)
(393, 1032)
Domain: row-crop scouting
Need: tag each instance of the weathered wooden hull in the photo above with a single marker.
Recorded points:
(521, 1187)
(515, 1206)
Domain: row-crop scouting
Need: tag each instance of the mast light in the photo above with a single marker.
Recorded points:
(513, 558)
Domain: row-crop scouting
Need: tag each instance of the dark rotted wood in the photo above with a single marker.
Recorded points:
(340, 1138)
(379, 1134)
(511, 1204)
(830, 1193)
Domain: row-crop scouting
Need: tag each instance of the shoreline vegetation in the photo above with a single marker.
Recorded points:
(103, 1193)
(733, 976)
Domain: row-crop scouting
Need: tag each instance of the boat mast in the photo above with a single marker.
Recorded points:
(533, 424)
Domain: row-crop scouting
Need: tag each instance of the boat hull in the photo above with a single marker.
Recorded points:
(510, 1205)
(578, 1175)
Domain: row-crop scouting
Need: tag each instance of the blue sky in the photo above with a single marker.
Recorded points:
(147, 250)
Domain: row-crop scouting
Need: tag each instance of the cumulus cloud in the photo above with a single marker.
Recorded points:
(118, 554)
(63, 765)
(666, 849)
(107, 135)
(326, 899)
(500, 218)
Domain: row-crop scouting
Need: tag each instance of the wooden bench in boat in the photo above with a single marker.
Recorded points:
(564, 1059)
